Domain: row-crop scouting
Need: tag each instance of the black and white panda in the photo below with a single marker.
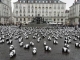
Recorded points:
(21, 44)
(34, 37)
(11, 47)
(20, 40)
(49, 38)
(67, 41)
(38, 40)
(34, 51)
(44, 43)
(75, 39)
(55, 42)
(12, 53)
(27, 37)
(9, 42)
(66, 45)
(65, 50)
(47, 48)
(27, 46)
(77, 45)
(2, 41)
(31, 43)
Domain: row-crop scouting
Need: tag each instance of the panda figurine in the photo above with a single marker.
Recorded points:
(66, 45)
(9, 42)
(12, 53)
(49, 38)
(2, 41)
(55, 42)
(45, 43)
(65, 50)
(27, 37)
(47, 48)
(75, 39)
(11, 47)
(34, 51)
(34, 37)
(27, 46)
(77, 45)
(21, 44)
(31, 43)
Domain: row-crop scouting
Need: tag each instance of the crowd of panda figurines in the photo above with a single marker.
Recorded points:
(38, 34)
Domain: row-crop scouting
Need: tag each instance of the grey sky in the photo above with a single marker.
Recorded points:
(68, 3)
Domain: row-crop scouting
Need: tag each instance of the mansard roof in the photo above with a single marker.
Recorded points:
(40, 1)
(0, 0)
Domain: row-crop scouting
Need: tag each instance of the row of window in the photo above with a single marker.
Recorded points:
(40, 1)
(58, 20)
(41, 7)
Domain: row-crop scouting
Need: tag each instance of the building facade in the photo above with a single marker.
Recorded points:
(74, 15)
(52, 11)
(5, 11)
(67, 17)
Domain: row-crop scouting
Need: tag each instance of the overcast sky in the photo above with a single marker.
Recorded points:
(68, 2)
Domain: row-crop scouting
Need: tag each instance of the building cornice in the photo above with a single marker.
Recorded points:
(39, 3)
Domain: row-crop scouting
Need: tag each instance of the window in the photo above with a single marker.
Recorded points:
(20, 15)
(24, 19)
(20, 19)
(20, 11)
(16, 19)
(16, 6)
(54, 20)
(54, 7)
(16, 12)
(61, 19)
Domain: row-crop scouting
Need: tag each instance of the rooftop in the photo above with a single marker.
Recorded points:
(39, 1)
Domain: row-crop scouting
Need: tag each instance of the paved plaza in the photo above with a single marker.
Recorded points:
(12, 32)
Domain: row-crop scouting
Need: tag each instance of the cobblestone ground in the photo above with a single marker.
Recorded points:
(55, 54)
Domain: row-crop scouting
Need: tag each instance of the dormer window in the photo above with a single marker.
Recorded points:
(43, 1)
(24, 1)
(36, 1)
(46, 1)
(28, 1)
(50, 1)
(39, 1)
(58, 1)
(32, 1)
(54, 1)
(20, 1)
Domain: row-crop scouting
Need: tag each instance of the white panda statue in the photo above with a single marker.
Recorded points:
(31, 43)
(34, 51)
(49, 38)
(27, 46)
(11, 47)
(55, 42)
(12, 53)
(77, 45)
(66, 45)
(21, 44)
(45, 43)
(65, 50)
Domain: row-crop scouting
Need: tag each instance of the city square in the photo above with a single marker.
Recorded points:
(39, 30)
